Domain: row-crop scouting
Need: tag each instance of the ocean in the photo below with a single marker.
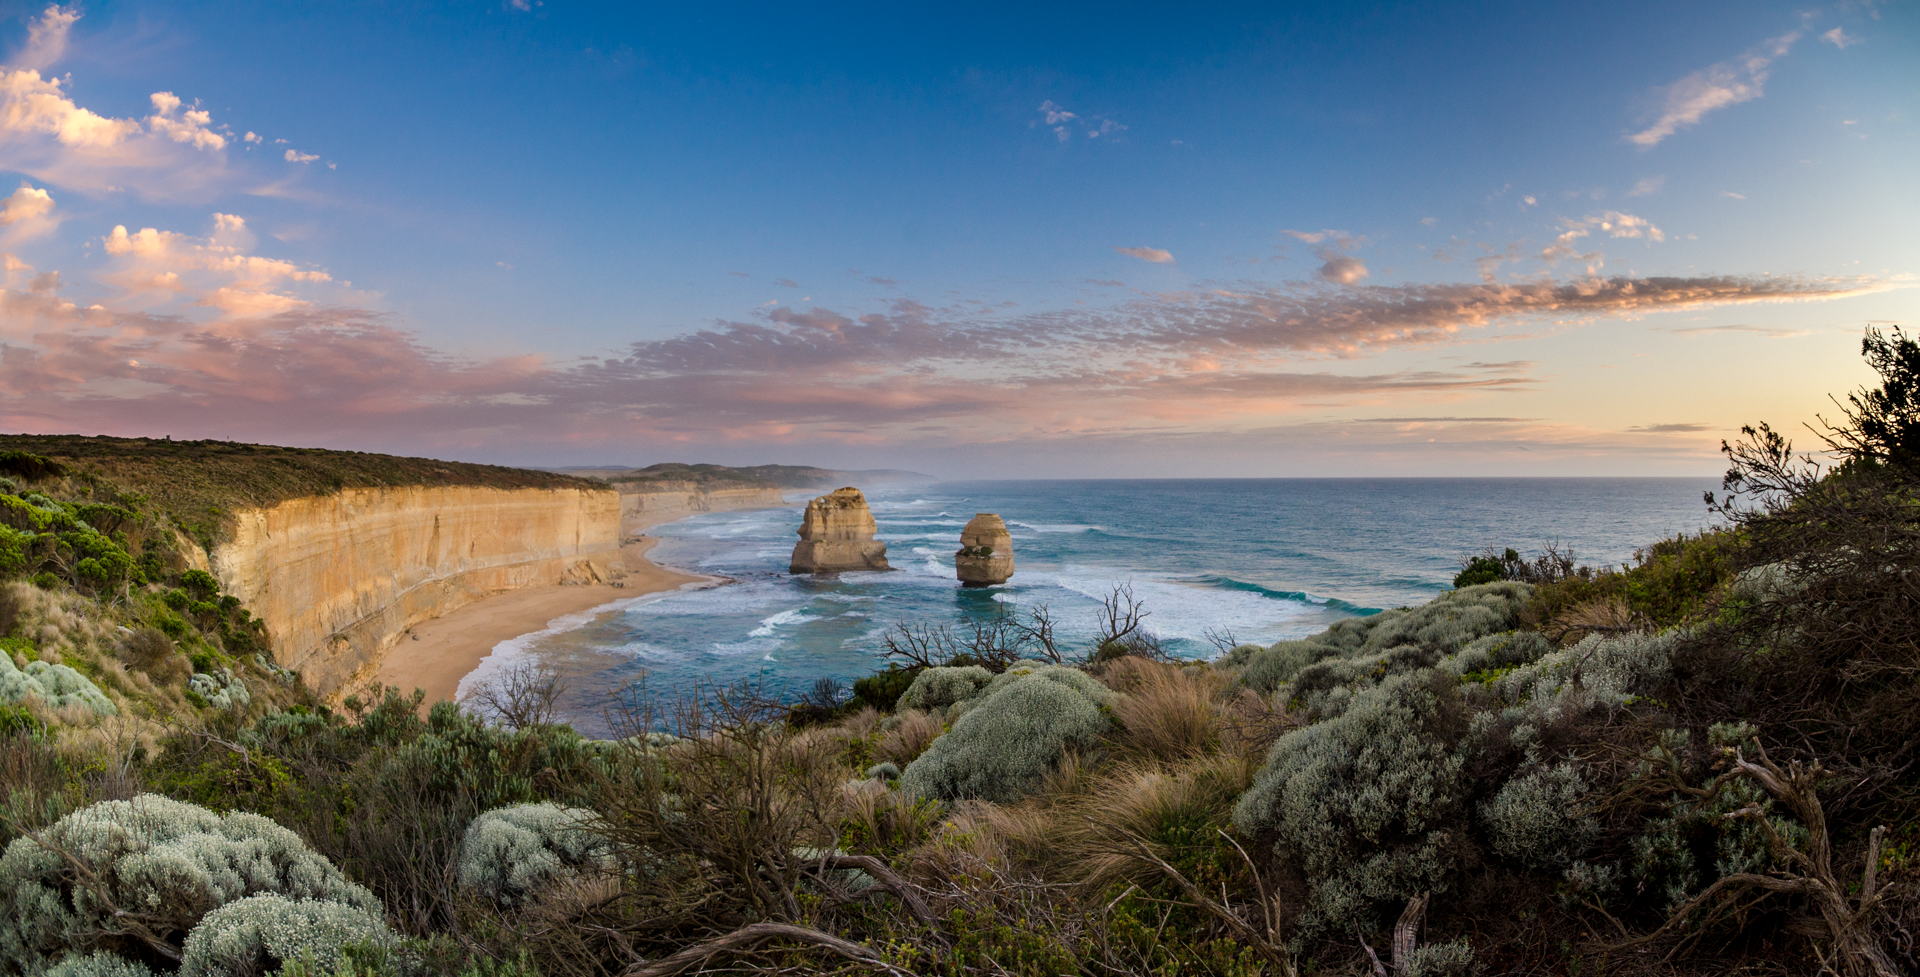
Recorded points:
(1254, 559)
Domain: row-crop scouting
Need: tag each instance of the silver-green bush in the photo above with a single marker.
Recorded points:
(1368, 803)
(1011, 735)
(170, 861)
(258, 934)
(1325, 670)
(1453, 959)
(99, 965)
(510, 852)
(221, 689)
(57, 686)
(937, 687)
(1535, 819)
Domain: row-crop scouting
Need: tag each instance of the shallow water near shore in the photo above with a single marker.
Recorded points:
(1260, 559)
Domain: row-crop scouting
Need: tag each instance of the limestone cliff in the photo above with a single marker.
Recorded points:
(836, 534)
(985, 556)
(340, 577)
(659, 501)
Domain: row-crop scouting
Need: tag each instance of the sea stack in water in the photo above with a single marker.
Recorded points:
(837, 534)
(986, 552)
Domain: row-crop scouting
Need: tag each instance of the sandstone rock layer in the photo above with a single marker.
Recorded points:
(986, 552)
(339, 578)
(656, 501)
(837, 534)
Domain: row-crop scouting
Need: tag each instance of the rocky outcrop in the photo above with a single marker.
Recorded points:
(986, 552)
(837, 534)
(655, 502)
(339, 578)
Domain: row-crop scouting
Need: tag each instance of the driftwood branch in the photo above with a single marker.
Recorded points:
(884, 880)
(1406, 932)
(752, 936)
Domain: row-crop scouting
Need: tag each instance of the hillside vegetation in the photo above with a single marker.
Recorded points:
(198, 484)
(1705, 761)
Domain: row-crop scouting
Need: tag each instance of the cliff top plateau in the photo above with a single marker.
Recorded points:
(198, 484)
(722, 476)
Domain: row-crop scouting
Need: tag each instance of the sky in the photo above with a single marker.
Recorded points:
(993, 241)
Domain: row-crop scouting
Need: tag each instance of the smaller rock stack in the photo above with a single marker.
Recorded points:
(986, 552)
(837, 534)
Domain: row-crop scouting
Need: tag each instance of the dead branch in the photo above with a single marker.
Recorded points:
(752, 936)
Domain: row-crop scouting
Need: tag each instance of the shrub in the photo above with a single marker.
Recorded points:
(56, 686)
(511, 851)
(888, 772)
(99, 965)
(220, 688)
(1368, 802)
(1454, 959)
(1535, 819)
(1014, 733)
(882, 690)
(258, 934)
(166, 861)
(1367, 649)
(937, 687)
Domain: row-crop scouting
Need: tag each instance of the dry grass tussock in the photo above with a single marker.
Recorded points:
(906, 735)
(1150, 802)
(1169, 711)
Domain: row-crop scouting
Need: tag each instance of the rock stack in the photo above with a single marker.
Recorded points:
(986, 552)
(837, 534)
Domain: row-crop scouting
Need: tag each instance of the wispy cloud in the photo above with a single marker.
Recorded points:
(1671, 429)
(1839, 38)
(1154, 255)
(1209, 361)
(1742, 79)
(1064, 124)
(1767, 331)
(46, 38)
(1648, 186)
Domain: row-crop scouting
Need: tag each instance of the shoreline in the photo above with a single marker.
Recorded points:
(439, 653)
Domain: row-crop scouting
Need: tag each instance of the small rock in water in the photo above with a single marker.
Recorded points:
(837, 534)
(985, 556)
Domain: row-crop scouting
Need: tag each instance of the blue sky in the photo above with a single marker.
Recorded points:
(995, 241)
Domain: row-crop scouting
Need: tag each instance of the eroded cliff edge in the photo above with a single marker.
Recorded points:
(340, 578)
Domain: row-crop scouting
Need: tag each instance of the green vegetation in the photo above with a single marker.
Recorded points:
(198, 485)
(1703, 761)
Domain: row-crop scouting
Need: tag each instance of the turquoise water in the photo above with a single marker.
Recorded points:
(1264, 559)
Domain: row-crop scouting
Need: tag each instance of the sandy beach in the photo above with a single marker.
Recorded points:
(441, 652)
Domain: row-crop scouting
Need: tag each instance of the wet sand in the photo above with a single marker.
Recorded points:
(441, 652)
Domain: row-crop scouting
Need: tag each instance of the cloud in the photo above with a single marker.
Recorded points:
(1648, 186)
(299, 157)
(1730, 193)
(26, 214)
(1671, 429)
(878, 280)
(1717, 86)
(46, 39)
(1839, 38)
(1062, 123)
(1157, 256)
(174, 153)
(251, 136)
(1342, 269)
(1767, 331)
(786, 283)
(188, 127)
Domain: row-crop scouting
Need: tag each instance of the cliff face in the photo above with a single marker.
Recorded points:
(339, 578)
(649, 501)
(836, 534)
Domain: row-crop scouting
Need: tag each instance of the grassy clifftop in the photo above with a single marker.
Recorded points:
(755, 476)
(199, 484)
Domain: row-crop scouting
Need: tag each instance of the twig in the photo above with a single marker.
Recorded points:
(752, 935)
